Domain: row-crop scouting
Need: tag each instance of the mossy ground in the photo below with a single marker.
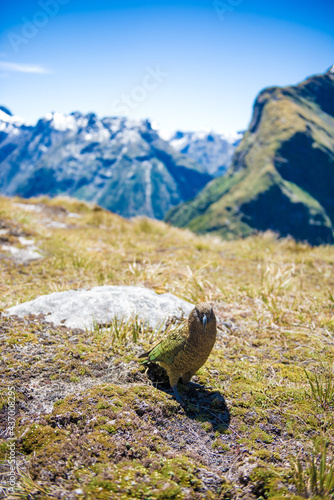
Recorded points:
(92, 423)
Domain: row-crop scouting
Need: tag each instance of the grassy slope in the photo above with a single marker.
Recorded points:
(111, 434)
(256, 195)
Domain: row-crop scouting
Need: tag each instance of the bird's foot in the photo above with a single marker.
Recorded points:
(177, 396)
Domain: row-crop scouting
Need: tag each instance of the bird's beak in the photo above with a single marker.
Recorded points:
(205, 320)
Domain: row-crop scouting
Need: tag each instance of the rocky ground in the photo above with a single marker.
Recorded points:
(93, 423)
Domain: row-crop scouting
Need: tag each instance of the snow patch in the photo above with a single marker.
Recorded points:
(14, 120)
(62, 122)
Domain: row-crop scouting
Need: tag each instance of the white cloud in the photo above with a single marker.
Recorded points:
(23, 68)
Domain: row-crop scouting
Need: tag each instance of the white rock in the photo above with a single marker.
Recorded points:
(100, 305)
(28, 207)
(23, 255)
(54, 224)
(25, 241)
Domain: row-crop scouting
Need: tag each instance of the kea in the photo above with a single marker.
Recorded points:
(183, 351)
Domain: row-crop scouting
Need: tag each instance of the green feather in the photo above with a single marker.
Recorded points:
(168, 348)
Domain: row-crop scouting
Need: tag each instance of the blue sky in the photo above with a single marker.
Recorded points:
(185, 65)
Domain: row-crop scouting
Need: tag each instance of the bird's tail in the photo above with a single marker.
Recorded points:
(144, 362)
(144, 355)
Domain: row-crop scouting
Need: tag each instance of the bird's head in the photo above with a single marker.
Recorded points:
(204, 316)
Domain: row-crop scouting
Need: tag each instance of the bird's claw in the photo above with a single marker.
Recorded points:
(177, 396)
(193, 384)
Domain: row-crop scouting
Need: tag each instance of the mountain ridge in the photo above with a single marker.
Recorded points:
(213, 151)
(282, 173)
(119, 163)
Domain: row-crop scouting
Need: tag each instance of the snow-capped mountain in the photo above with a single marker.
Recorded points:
(10, 124)
(121, 164)
(211, 150)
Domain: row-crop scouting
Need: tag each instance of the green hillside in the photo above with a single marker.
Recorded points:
(282, 175)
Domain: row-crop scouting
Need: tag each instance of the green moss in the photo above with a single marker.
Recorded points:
(3, 449)
(267, 455)
(38, 436)
(207, 426)
(265, 483)
(126, 480)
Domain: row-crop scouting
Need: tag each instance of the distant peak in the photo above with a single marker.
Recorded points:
(331, 70)
(6, 110)
(7, 117)
(178, 135)
(60, 121)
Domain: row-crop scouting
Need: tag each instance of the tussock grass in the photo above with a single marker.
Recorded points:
(316, 480)
(322, 388)
(124, 332)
